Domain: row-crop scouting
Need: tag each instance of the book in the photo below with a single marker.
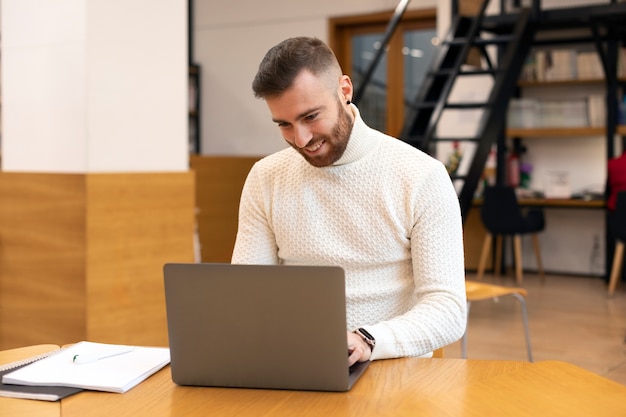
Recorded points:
(31, 392)
(563, 65)
(597, 110)
(557, 185)
(34, 392)
(589, 65)
(110, 368)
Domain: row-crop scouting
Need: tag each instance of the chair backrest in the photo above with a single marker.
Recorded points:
(620, 216)
(500, 212)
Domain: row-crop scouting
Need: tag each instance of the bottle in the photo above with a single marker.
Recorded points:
(526, 170)
(454, 160)
(513, 170)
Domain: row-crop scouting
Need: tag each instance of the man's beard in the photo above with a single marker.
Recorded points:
(337, 141)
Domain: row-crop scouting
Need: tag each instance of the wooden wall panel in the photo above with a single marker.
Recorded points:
(135, 224)
(219, 181)
(42, 259)
(81, 256)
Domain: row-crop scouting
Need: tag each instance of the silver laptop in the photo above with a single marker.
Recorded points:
(258, 326)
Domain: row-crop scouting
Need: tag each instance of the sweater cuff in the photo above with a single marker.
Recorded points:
(385, 342)
(386, 346)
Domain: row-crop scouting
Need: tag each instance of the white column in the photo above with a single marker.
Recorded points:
(92, 86)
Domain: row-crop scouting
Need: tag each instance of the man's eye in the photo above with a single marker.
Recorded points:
(311, 116)
(283, 125)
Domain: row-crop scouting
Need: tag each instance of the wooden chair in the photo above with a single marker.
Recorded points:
(619, 230)
(477, 291)
(438, 353)
(502, 216)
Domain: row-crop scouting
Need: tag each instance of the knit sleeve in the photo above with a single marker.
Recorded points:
(438, 315)
(255, 242)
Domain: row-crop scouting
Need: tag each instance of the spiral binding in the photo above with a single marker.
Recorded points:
(17, 364)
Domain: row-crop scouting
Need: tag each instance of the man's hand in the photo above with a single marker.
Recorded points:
(358, 350)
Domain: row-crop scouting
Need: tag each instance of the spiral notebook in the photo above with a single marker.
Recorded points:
(33, 392)
(112, 373)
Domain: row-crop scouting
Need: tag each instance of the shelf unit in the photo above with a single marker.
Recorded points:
(601, 27)
(604, 32)
(609, 90)
(578, 81)
(555, 132)
(564, 131)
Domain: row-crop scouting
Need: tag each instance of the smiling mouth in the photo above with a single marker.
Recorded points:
(315, 147)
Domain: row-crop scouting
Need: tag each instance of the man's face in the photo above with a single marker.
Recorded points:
(314, 119)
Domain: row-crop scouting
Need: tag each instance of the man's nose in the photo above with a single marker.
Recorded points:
(302, 136)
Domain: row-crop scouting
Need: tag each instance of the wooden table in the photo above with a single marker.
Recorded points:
(12, 407)
(398, 387)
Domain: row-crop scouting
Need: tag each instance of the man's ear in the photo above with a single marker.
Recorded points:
(345, 88)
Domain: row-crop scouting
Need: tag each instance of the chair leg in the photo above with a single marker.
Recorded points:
(497, 269)
(464, 338)
(522, 301)
(618, 259)
(483, 256)
(517, 244)
(538, 256)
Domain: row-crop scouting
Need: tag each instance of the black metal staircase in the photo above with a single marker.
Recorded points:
(512, 43)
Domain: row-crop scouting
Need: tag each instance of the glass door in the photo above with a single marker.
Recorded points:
(399, 73)
(373, 103)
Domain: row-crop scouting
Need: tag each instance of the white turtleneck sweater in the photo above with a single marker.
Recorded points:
(385, 212)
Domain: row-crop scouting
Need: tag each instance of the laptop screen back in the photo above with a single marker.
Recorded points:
(257, 326)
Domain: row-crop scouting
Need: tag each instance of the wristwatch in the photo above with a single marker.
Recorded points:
(367, 337)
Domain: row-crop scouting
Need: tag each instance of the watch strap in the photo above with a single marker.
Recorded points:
(367, 337)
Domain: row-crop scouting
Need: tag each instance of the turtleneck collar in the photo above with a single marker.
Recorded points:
(361, 140)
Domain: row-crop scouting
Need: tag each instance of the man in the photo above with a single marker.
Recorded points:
(344, 194)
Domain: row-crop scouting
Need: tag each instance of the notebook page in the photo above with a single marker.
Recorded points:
(117, 373)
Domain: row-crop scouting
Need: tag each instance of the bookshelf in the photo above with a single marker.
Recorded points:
(574, 129)
(571, 82)
(564, 93)
(553, 151)
(556, 132)
(575, 89)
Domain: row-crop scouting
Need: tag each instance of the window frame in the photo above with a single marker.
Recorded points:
(341, 31)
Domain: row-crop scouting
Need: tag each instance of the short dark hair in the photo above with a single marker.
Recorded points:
(285, 61)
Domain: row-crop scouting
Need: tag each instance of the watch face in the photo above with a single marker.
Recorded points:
(366, 334)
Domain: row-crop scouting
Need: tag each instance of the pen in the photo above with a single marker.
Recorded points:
(79, 359)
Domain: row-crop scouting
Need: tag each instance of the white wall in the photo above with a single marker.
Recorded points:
(94, 86)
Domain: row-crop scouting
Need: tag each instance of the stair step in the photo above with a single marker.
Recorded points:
(468, 105)
(465, 139)
(422, 105)
(496, 40)
(428, 105)
(448, 72)
(418, 140)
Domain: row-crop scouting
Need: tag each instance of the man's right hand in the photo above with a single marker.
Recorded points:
(358, 350)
